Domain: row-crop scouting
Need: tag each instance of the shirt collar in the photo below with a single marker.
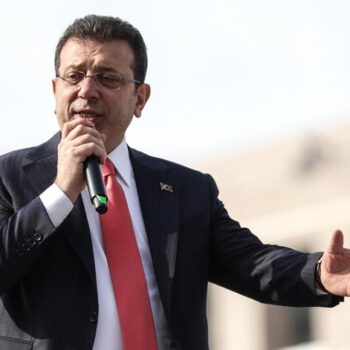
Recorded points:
(120, 159)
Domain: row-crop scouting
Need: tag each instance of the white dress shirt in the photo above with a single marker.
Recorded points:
(58, 206)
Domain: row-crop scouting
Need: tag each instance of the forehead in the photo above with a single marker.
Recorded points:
(90, 54)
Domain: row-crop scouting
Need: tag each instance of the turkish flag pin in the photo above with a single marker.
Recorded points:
(165, 187)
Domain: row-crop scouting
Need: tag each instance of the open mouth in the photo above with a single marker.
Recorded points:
(86, 115)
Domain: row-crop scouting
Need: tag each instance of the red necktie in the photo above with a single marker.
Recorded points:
(125, 266)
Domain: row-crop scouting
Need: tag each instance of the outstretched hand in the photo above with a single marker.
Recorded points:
(335, 266)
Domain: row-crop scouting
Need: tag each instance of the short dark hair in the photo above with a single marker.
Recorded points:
(104, 29)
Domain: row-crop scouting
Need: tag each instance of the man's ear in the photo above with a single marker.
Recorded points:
(142, 95)
(53, 84)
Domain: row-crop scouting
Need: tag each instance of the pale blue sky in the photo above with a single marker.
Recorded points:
(224, 74)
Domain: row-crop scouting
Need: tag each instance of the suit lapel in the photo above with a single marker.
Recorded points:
(160, 209)
(41, 167)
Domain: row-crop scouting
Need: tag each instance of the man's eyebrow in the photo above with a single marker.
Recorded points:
(78, 67)
(95, 68)
(105, 69)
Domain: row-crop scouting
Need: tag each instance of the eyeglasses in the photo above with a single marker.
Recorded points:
(107, 79)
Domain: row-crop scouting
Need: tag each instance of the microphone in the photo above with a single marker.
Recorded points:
(95, 184)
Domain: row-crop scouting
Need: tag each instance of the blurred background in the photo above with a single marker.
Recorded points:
(254, 92)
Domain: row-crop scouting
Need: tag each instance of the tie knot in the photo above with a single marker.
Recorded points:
(108, 168)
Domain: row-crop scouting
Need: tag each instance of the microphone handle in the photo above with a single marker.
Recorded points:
(95, 184)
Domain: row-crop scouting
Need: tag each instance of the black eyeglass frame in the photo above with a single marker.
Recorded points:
(95, 77)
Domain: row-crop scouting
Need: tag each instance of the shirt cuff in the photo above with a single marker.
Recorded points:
(56, 203)
(320, 292)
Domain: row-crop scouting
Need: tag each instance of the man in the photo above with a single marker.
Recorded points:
(58, 282)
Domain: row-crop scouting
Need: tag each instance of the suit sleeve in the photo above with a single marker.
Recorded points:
(24, 232)
(268, 273)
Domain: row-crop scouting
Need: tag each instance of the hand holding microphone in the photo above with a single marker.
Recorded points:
(79, 155)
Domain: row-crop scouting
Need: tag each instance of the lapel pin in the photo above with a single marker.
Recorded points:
(165, 187)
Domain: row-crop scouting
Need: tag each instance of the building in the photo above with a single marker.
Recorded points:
(294, 192)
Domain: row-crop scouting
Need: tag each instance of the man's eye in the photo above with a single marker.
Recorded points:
(109, 78)
(75, 76)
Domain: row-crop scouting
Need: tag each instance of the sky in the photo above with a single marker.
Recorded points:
(225, 75)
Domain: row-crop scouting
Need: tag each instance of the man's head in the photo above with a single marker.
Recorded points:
(104, 29)
(100, 68)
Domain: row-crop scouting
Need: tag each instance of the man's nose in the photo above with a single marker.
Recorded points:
(88, 88)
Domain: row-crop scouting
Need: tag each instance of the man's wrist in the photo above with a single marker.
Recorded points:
(318, 283)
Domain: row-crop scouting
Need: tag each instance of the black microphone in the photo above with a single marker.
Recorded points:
(95, 184)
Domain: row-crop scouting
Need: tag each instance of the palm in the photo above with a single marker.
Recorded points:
(335, 267)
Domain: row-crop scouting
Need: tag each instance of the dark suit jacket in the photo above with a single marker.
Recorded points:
(47, 275)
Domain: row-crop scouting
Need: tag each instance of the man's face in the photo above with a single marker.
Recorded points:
(110, 110)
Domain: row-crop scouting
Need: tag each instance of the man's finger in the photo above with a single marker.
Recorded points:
(335, 246)
(72, 124)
